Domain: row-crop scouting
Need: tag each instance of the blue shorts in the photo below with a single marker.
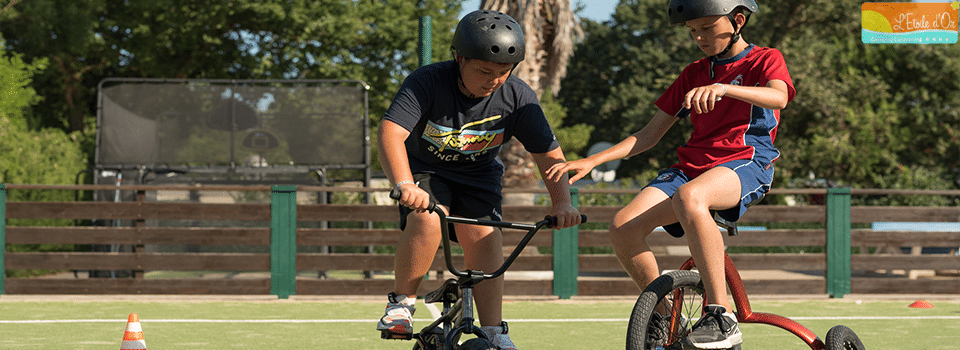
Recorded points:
(755, 180)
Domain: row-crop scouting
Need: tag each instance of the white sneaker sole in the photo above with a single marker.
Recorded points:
(733, 340)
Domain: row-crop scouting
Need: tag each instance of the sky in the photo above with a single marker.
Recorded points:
(597, 10)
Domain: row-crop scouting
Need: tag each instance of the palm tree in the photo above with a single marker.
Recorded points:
(550, 28)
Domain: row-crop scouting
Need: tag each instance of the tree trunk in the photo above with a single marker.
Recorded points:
(549, 27)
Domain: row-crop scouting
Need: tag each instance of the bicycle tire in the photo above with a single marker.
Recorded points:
(435, 341)
(683, 284)
(842, 338)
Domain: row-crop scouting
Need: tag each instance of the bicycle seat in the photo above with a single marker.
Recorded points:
(448, 291)
(731, 226)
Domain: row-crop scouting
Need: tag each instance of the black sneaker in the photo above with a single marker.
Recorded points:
(716, 329)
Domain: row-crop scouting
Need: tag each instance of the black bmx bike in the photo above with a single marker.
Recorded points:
(456, 294)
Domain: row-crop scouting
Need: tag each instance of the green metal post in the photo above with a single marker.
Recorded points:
(426, 40)
(283, 241)
(838, 242)
(565, 249)
(3, 237)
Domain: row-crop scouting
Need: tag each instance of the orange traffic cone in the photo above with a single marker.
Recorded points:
(921, 304)
(133, 336)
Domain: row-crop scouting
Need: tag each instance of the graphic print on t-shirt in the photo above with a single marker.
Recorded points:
(449, 143)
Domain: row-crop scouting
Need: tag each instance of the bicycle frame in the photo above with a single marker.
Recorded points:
(466, 280)
(745, 314)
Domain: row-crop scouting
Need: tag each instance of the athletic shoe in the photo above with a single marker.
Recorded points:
(498, 335)
(398, 318)
(716, 329)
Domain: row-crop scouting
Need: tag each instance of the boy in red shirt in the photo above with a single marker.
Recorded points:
(733, 99)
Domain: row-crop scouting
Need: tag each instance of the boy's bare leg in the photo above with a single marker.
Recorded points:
(483, 250)
(415, 251)
(716, 189)
(630, 228)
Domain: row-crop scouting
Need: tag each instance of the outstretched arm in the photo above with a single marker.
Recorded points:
(634, 144)
(559, 189)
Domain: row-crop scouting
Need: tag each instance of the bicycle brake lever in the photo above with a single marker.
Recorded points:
(395, 195)
(552, 220)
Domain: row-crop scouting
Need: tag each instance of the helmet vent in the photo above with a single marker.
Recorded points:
(508, 28)
(495, 49)
(512, 50)
(680, 9)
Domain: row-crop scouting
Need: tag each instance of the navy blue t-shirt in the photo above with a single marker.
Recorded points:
(458, 137)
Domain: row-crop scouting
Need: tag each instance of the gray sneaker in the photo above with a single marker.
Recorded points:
(716, 329)
(498, 335)
(398, 317)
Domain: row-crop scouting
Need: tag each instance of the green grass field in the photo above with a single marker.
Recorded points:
(169, 323)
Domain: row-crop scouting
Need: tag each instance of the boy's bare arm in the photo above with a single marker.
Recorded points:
(702, 99)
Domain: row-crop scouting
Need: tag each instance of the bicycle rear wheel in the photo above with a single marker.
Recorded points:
(680, 292)
(842, 338)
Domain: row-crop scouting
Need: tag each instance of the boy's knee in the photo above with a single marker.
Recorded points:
(623, 232)
(685, 199)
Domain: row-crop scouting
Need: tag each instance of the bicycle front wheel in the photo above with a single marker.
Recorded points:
(665, 311)
(842, 338)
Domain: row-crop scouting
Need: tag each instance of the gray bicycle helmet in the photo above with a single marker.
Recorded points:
(681, 11)
(490, 36)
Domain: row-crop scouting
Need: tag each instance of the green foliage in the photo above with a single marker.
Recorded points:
(572, 138)
(26, 156)
(373, 41)
(40, 157)
(16, 95)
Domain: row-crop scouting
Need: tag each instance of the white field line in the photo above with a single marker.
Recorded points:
(802, 318)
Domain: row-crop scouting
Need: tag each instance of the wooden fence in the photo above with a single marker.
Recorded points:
(835, 273)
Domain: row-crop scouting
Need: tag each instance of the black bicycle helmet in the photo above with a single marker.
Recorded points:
(681, 11)
(490, 36)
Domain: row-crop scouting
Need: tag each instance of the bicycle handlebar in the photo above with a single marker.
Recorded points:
(532, 229)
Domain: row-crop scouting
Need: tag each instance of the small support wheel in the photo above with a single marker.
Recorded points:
(842, 338)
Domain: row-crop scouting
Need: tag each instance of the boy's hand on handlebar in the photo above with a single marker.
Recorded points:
(567, 216)
(414, 197)
(580, 167)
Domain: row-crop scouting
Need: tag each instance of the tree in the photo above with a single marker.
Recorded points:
(46, 156)
(89, 40)
(550, 29)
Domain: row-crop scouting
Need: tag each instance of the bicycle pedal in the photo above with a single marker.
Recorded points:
(397, 336)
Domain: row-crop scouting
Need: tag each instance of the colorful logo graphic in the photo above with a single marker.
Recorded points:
(909, 23)
(449, 144)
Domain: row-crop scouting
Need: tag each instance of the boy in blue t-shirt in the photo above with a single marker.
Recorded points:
(440, 138)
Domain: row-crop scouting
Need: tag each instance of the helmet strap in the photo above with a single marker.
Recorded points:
(733, 39)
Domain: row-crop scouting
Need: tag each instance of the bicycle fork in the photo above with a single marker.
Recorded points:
(466, 324)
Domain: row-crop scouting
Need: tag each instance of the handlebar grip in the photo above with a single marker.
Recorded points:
(395, 195)
(553, 220)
